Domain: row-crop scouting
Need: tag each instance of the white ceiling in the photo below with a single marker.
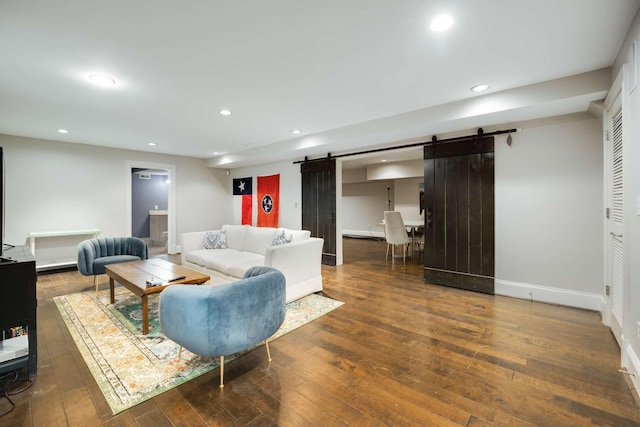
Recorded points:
(349, 74)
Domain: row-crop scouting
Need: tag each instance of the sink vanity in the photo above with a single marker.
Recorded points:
(158, 226)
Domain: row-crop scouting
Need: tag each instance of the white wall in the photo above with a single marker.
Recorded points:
(548, 201)
(363, 204)
(631, 106)
(407, 197)
(54, 185)
(397, 170)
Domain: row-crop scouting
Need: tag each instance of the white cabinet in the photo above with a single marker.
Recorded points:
(58, 248)
(158, 226)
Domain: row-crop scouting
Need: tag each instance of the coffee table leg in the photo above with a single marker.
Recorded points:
(145, 315)
(112, 290)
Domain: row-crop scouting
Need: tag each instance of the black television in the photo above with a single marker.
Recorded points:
(1, 202)
(3, 255)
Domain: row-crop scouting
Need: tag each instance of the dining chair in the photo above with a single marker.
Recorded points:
(395, 233)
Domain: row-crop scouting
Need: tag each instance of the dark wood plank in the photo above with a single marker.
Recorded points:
(451, 214)
(439, 214)
(462, 226)
(488, 215)
(475, 214)
(429, 231)
(79, 408)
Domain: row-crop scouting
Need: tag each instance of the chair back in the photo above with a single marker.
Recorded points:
(395, 231)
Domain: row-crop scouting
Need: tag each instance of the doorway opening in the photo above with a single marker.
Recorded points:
(150, 209)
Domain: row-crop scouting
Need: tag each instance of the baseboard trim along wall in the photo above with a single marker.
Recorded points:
(631, 361)
(538, 293)
(363, 233)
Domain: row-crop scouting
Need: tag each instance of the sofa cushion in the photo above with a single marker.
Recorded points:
(258, 239)
(197, 256)
(215, 240)
(298, 235)
(226, 260)
(235, 236)
(240, 267)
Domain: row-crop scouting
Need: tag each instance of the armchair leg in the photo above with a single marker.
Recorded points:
(95, 282)
(180, 352)
(221, 371)
(266, 344)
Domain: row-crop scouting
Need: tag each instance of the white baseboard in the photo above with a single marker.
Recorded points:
(363, 233)
(538, 293)
(631, 362)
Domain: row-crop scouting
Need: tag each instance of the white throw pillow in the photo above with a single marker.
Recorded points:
(215, 240)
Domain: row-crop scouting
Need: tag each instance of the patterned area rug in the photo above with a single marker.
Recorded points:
(130, 367)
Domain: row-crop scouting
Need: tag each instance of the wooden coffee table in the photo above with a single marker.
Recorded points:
(134, 275)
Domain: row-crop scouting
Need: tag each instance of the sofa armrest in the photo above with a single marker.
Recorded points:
(86, 256)
(191, 242)
(298, 261)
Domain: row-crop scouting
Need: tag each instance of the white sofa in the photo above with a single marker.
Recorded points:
(246, 246)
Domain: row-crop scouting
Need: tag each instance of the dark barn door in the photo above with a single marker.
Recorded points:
(459, 214)
(319, 204)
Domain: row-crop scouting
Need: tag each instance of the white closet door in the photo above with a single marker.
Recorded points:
(615, 219)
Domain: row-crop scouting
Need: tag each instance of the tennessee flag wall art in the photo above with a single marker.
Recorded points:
(268, 200)
(242, 200)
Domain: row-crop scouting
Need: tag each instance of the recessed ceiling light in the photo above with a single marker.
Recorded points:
(295, 131)
(151, 144)
(63, 131)
(383, 160)
(225, 112)
(102, 80)
(479, 88)
(441, 23)
(215, 152)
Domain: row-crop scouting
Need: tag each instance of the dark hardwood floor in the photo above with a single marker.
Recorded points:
(398, 352)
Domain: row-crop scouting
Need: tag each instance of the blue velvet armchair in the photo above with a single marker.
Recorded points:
(222, 320)
(94, 254)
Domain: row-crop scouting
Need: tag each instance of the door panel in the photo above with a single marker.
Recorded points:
(459, 197)
(615, 220)
(319, 204)
(462, 226)
(488, 215)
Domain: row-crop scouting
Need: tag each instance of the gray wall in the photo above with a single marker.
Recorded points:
(146, 194)
(549, 214)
